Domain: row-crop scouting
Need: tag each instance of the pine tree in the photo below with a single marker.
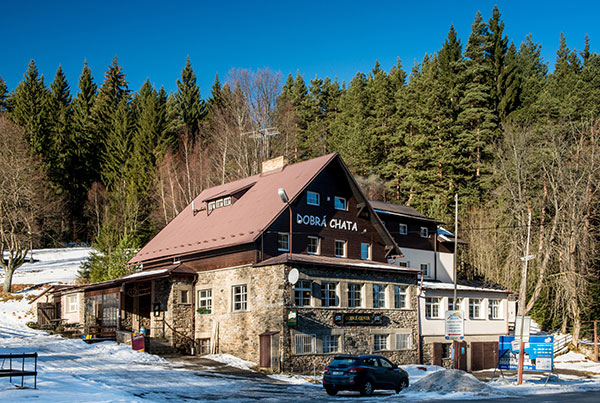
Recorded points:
(29, 111)
(83, 164)
(3, 95)
(190, 106)
(532, 78)
(496, 48)
(60, 125)
(477, 119)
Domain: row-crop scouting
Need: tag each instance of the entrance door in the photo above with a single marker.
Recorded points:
(265, 351)
(460, 352)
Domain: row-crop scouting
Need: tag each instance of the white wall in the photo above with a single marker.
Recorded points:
(416, 257)
(484, 326)
(76, 316)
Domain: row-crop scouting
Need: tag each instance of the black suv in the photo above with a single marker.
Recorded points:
(363, 373)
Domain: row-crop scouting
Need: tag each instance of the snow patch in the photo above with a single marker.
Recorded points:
(232, 361)
(451, 381)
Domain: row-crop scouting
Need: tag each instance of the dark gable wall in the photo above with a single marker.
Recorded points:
(413, 239)
(329, 183)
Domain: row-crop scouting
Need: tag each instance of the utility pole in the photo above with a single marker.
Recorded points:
(523, 298)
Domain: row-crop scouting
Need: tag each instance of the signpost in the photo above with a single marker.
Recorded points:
(455, 325)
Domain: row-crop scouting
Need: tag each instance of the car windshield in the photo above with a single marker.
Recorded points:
(342, 362)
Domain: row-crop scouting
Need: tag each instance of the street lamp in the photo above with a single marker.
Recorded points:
(284, 198)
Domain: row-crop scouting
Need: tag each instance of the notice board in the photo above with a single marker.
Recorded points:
(539, 353)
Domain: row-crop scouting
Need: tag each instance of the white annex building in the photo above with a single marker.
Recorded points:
(487, 308)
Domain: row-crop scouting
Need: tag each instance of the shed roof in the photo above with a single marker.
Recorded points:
(399, 209)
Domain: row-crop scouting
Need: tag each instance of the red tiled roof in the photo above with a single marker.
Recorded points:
(240, 223)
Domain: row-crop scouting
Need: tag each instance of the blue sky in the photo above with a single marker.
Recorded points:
(326, 38)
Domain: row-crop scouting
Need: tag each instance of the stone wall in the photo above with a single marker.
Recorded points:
(238, 331)
(180, 313)
(317, 320)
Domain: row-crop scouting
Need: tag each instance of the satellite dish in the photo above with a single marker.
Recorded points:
(293, 276)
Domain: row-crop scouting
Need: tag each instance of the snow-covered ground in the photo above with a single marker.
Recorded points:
(73, 371)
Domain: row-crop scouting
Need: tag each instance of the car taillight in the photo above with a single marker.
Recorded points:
(355, 370)
(326, 370)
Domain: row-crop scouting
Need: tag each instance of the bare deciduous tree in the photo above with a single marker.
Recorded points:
(23, 199)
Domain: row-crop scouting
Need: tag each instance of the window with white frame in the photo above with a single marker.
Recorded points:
(340, 203)
(240, 297)
(378, 296)
(227, 201)
(283, 241)
(403, 341)
(432, 307)
(302, 291)
(205, 301)
(380, 342)
(365, 251)
(475, 308)
(424, 232)
(304, 343)
(458, 304)
(400, 297)
(425, 269)
(494, 309)
(403, 229)
(312, 245)
(329, 294)
(354, 295)
(72, 304)
(331, 344)
(313, 198)
(340, 248)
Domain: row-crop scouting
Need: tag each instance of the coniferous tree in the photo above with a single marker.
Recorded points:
(60, 126)
(29, 108)
(496, 49)
(191, 109)
(3, 95)
(476, 118)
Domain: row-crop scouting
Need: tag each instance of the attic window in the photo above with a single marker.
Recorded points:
(222, 202)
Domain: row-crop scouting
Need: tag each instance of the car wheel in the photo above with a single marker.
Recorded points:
(367, 389)
(331, 390)
(403, 384)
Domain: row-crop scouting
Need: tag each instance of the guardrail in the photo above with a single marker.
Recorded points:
(15, 372)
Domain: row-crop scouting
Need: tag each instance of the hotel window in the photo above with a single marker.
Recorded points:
(340, 248)
(380, 342)
(403, 341)
(184, 297)
(378, 296)
(403, 229)
(203, 346)
(211, 205)
(365, 251)
(328, 294)
(458, 304)
(403, 264)
(340, 203)
(400, 297)
(312, 247)
(475, 308)
(205, 301)
(227, 201)
(425, 269)
(219, 203)
(432, 307)
(305, 343)
(302, 292)
(354, 297)
(240, 298)
(424, 232)
(283, 241)
(331, 344)
(72, 303)
(494, 308)
(313, 198)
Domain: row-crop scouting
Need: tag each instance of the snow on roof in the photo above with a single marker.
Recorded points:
(429, 285)
(145, 273)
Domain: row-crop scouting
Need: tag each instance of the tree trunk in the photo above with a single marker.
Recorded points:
(8, 279)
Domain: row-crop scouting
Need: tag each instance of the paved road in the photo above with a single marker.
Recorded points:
(579, 397)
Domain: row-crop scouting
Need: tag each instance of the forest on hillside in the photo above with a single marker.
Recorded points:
(483, 118)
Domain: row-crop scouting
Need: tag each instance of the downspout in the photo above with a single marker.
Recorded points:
(507, 314)
(193, 298)
(435, 252)
(419, 332)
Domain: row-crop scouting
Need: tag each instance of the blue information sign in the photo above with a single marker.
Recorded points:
(539, 353)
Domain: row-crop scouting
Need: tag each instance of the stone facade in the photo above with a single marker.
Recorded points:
(269, 298)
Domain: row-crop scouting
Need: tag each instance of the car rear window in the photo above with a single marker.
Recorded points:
(342, 362)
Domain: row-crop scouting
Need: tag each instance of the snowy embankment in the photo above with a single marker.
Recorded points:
(71, 370)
